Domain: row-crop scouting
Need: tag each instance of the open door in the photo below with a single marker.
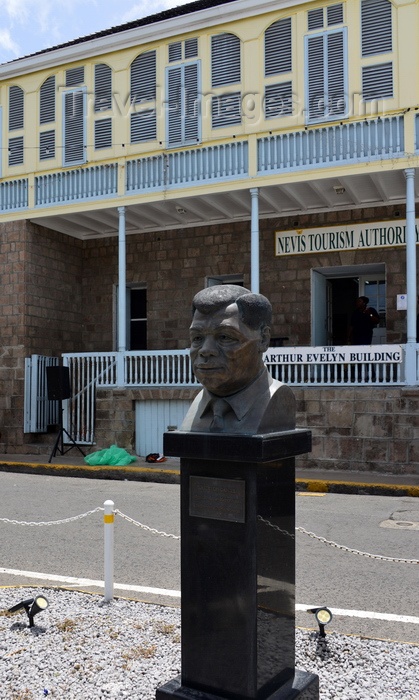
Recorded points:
(320, 309)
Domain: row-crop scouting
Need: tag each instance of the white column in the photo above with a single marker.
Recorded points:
(411, 285)
(254, 245)
(122, 282)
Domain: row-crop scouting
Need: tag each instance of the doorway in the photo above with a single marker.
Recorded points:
(333, 295)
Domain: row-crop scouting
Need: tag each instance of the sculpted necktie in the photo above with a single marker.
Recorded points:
(219, 409)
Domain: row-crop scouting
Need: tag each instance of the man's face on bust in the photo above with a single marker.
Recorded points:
(226, 354)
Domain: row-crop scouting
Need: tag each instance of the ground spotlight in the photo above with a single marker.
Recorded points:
(323, 617)
(32, 606)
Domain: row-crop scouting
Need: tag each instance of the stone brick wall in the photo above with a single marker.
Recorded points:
(115, 413)
(40, 297)
(173, 266)
(360, 429)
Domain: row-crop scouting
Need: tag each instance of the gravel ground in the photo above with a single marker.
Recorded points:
(81, 647)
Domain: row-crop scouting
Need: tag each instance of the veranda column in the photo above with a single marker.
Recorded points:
(411, 285)
(254, 259)
(122, 282)
(122, 296)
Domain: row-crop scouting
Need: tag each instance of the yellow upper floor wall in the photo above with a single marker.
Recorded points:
(216, 75)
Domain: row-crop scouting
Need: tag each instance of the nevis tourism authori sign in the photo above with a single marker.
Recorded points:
(382, 234)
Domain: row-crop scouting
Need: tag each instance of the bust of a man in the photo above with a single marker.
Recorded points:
(229, 333)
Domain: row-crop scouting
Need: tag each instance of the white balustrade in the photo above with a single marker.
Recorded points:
(366, 140)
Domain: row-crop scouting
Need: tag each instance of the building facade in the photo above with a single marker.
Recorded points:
(273, 146)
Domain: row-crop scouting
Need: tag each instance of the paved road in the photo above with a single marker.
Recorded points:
(325, 575)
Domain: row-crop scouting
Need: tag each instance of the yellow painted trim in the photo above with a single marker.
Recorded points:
(108, 519)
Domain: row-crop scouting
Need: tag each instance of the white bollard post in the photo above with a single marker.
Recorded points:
(108, 520)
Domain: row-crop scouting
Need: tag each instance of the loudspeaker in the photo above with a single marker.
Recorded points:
(58, 383)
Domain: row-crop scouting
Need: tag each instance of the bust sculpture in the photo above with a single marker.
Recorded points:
(229, 333)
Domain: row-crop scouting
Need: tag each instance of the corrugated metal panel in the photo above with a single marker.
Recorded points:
(152, 419)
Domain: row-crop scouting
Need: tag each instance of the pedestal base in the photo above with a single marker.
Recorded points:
(238, 567)
(304, 686)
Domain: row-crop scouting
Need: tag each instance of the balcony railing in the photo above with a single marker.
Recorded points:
(190, 166)
(78, 184)
(14, 195)
(366, 140)
(344, 143)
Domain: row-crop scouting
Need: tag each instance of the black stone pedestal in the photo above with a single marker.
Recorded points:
(238, 567)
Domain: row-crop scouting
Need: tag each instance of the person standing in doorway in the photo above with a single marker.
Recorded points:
(363, 321)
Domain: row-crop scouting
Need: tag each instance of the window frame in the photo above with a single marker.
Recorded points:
(183, 141)
(324, 35)
(66, 163)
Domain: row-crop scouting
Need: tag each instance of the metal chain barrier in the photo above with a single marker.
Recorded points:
(53, 522)
(275, 527)
(154, 531)
(145, 527)
(355, 551)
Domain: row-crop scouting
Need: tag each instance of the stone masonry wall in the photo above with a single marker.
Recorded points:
(360, 429)
(173, 266)
(115, 413)
(40, 293)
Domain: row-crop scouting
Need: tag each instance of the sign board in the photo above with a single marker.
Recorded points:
(333, 354)
(383, 234)
(217, 499)
(402, 302)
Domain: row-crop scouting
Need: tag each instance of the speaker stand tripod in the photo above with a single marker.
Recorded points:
(59, 443)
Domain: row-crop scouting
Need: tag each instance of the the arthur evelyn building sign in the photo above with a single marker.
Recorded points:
(348, 237)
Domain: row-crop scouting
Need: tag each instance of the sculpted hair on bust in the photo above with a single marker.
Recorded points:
(255, 310)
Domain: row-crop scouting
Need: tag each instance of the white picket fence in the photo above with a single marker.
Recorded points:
(331, 367)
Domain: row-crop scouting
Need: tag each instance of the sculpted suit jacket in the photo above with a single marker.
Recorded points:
(265, 406)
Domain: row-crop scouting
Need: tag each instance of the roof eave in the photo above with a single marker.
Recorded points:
(141, 35)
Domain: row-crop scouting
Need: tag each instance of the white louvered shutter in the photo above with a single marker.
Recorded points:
(143, 124)
(175, 51)
(315, 19)
(103, 133)
(334, 14)
(74, 127)
(326, 87)
(15, 108)
(225, 60)
(183, 105)
(278, 47)
(377, 81)
(103, 87)
(191, 48)
(47, 145)
(336, 98)
(74, 76)
(316, 77)
(16, 151)
(174, 106)
(226, 110)
(278, 100)
(376, 27)
(143, 78)
(191, 104)
(47, 101)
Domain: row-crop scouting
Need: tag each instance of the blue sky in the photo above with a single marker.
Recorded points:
(27, 26)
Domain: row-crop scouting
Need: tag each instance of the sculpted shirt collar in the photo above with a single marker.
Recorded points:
(242, 401)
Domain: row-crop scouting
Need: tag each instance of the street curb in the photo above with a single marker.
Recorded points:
(127, 473)
(172, 476)
(354, 487)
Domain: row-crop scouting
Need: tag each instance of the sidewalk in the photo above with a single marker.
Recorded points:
(315, 481)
